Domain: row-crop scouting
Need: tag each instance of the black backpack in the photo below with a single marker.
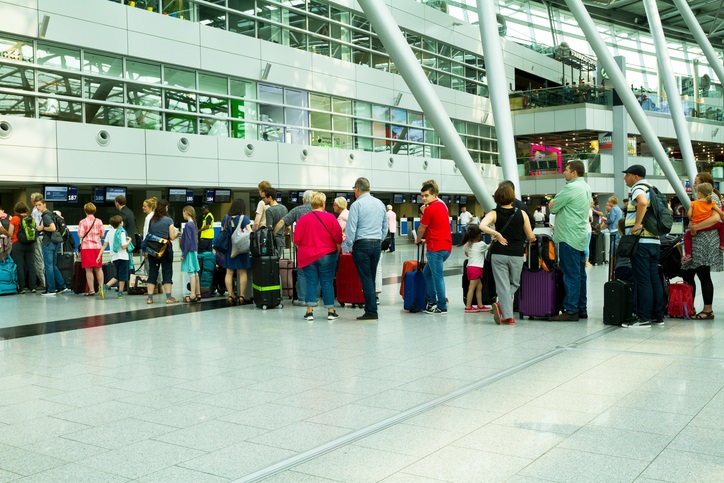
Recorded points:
(27, 233)
(60, 226)
(659, 217)
(263, 242)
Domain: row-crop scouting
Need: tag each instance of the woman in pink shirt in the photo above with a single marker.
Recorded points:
(90, 232)
(318, 237)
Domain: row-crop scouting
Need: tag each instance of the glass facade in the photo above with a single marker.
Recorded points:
(40, 79)
(329, 30)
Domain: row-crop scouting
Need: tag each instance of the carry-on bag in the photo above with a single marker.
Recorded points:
(288, 274)
(541, 291)
(618, 295)
(597, 249)
(415, 288)
(263, 242)
(347, 282)
(681, 300)
(8, 277)
(65, 267)
(265, 281)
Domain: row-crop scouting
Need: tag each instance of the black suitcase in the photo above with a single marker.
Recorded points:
(65, 267)
(266, 282)
(618, 302)
(597, 249)
(109, 271)
(457, 239)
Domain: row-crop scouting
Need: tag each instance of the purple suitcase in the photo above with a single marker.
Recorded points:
(541, 293)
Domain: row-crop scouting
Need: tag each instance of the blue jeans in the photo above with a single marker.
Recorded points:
(366, 256)
(53, 279)
(321, 272)
(649, 292)
(573, 266)
(434, 278)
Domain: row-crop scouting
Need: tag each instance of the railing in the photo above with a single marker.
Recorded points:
(560, 96)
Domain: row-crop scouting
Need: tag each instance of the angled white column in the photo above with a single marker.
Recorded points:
(401, 54)
(672, 91)
(627, 97)
(701, 39)
(495, 73)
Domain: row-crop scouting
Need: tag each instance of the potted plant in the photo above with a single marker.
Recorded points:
(718, 170)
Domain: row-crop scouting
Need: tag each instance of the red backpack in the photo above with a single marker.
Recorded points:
(681, 300)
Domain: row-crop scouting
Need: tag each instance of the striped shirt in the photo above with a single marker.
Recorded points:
(91, 230)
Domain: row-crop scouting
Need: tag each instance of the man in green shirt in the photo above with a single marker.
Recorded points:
(571, 207)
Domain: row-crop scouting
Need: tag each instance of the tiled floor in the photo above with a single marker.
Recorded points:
(220, 394)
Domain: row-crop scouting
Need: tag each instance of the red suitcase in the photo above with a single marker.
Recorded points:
(347, 283)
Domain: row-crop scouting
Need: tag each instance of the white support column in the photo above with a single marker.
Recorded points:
(495, 73)
(627, 97)
(672, 92)
(701, 39)
(401, 54)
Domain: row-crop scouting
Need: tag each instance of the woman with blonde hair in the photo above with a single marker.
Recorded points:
(149, 206)
(90, 232)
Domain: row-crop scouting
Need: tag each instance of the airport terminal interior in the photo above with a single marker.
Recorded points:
(197, 101)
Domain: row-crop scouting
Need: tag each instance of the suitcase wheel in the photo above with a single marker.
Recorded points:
(341, 304)
(264, 307)
(280, 306)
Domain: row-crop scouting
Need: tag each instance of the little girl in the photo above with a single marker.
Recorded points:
(475, 250)
(189, 254)
(700, 210)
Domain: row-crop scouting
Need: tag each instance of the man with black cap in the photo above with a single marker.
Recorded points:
(645, 264)
(206, 232)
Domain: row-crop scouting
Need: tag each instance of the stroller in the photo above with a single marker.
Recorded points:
(670, 257)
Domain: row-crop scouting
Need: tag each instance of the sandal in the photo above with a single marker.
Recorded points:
(189, 300)
(149, 301)
(171, 300)
(704, 316)
(242, 301)
(231, 300)
(89, 294)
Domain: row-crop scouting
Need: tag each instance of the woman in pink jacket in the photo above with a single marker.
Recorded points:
(318, 237)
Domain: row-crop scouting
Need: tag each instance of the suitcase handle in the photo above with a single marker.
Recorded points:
(420, 254)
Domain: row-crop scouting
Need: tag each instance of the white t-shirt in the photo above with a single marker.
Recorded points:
(261, 208)
(146, 223)
(121, 254)
(539, 216)
(476, 253)
(465, 218)
(588, 225)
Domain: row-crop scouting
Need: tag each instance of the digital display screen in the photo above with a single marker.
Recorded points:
(445, 199)
(56, 193)
(222, 196)
(279, 196)
(99, 195)
(463, 200)
(419, 199)
(294, 197)
(112, 192)
(72, 194)
(177, 195)
(209, 196)
(398, 198)
(190, 196)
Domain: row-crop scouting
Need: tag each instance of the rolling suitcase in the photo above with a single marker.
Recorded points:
(207, 263)
(8, 277)
(597, 249)
(288, 274)
(541, 291)
(347, 283)
(78, 280)
(415, 289)
(65, 267)
(265, 281)
(618, 295)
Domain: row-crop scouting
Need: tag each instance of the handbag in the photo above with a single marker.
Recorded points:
(154, 246)
(628, 246)
(490, 293)
(222, 242)
(241, 239)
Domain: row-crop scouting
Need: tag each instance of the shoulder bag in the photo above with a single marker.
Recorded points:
(222, 242)
(241, 238)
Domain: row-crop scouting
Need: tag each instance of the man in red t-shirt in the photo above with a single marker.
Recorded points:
(435, 229)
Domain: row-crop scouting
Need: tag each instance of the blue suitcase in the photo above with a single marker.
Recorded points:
(8, 277)
(415, 294)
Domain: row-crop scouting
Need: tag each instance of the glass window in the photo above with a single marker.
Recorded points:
(108, 65)
(104, 90)
(380, 113)
(213, 17)
(15, 48)
(17, 77)
(55, 56)
(105, 115)
(272, 116)
(362, 109)
(320, 103)
(186, 79)
(215, 84)
(398, 115)
(296, 98)
(341, 106)
(242, 88)
(62, 84)
(214, 106)
(241, 24)
(381, 143)
(183, 123)
(60, 110)
(15, 105)
(143, 72)
(144, 96)
(268, 93)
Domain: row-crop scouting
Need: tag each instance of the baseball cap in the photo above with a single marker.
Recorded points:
(636, 169)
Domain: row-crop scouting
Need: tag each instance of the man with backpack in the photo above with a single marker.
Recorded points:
(649, 308)
(24, 247)
(51, 228)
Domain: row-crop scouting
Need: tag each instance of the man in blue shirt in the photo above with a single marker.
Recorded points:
(366, 228)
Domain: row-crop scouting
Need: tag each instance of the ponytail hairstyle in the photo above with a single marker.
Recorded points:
(472, 234)
(160, 211)
(705, 189)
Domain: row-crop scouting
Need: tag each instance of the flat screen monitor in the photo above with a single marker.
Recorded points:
(463, 200)
(99, 195)
(398, 198)
(222, 196)
(56, 193)
(445, 199)
(419, 199)
(113, 191)
(294, 197)
(279, 196)
(72, 194)
(413, 199)
(209, 196)
(177, 195)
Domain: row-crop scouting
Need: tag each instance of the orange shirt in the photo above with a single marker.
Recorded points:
(15, 221)
(700, 210)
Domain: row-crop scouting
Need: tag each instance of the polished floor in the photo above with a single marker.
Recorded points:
(115, 391)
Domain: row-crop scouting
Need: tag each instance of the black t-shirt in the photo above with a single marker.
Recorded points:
(514, 233)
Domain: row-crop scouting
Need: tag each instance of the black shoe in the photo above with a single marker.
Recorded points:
(582, 316)
(565, 317)
(367, 317)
